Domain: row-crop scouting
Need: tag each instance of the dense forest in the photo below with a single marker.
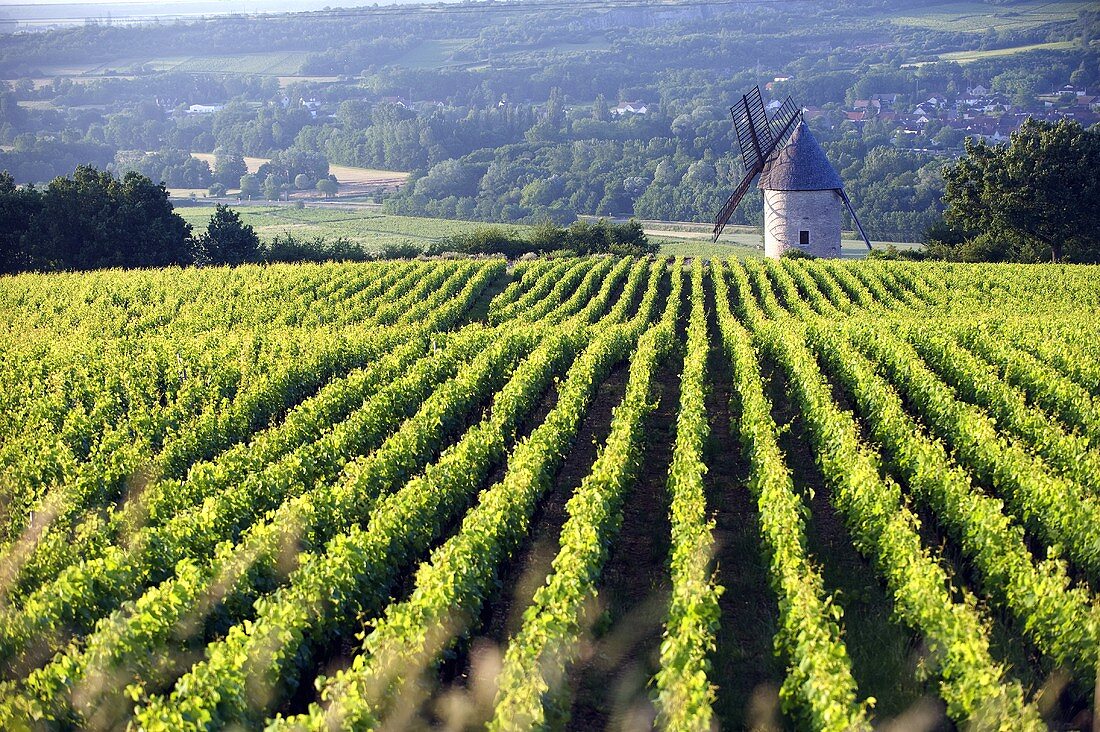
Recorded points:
(545, 112)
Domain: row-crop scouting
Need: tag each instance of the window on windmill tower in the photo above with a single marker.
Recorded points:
(803, 238)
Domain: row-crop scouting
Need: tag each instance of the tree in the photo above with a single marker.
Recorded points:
(227, 239)
(665, 174)
(555, 107)
(327, 187)
(302, 182)
(217, 190)
(250, 185)
(18, 208)
(229, 168)
(273, 191)
(1032, 199)
(600, 111)
(92, 220)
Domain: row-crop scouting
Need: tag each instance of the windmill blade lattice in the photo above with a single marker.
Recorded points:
(754, 132)
(758, 137)
(783, 122)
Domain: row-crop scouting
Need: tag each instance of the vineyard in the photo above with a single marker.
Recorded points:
(570, 494)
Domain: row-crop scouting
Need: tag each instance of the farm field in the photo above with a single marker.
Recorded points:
(370, 228)
(569, 493)
(964, 57)
(976, 17)
(366, 227)
(353, 181)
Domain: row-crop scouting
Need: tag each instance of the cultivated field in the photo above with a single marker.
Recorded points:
(964, 57)
(366, 227)
(353, 181)
(579, 493)
(977, 17)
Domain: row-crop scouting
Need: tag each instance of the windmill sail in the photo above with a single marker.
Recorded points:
(758, 137)
(754, 131)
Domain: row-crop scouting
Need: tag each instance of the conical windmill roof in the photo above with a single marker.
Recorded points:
(800, 165)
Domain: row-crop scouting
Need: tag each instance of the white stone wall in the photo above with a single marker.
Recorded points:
(788, 212)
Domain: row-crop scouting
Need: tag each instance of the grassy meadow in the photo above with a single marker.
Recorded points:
(373, 230)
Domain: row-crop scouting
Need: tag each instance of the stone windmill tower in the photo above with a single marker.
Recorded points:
(802, 192)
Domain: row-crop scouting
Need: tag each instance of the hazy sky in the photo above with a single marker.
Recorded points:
(45, 13)
(228, 3)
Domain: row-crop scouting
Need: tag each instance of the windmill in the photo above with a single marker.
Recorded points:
(802, 191)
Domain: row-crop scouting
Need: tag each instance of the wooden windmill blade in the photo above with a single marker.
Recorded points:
(754, 130)
(783, 121)
(758, 137)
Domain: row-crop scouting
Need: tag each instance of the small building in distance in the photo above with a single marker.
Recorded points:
(625, 108)
(196, 109)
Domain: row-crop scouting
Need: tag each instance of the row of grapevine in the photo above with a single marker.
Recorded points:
(73, 536)
(600, 279)
(540, 654)
(685, 694)
(259, 546)
(453, 583)
(1060, 396)
(95, 586)
(224, 428)
(819, 683)
(1055, 508)
(886, 530)
(1060, 619)
(546, 284)
(522, 281)
(976, 381)
(308, 520)
(201, 522)
(213, 424)
(974, 686)
(576, 278)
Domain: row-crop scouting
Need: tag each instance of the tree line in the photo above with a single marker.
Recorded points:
(94, 220)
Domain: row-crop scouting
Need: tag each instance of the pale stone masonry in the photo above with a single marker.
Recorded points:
(793, 217)
(802, 199)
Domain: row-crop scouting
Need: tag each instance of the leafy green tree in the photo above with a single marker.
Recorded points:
(18, 208)
(1032, 199)
(555, 107)
(95, 220)
(273, 190)
(600, 110)
(666, 174)
(229, 168)
(250, 185)
(227, 239)
(327, 187)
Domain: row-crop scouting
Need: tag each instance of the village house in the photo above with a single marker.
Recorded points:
(629, 108)
(199, 109)
(778, 79)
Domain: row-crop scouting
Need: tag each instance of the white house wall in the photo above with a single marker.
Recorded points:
(786, 213)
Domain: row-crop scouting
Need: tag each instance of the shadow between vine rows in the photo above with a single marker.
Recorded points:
(465, 680)
(478, 312)
(744, 667)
